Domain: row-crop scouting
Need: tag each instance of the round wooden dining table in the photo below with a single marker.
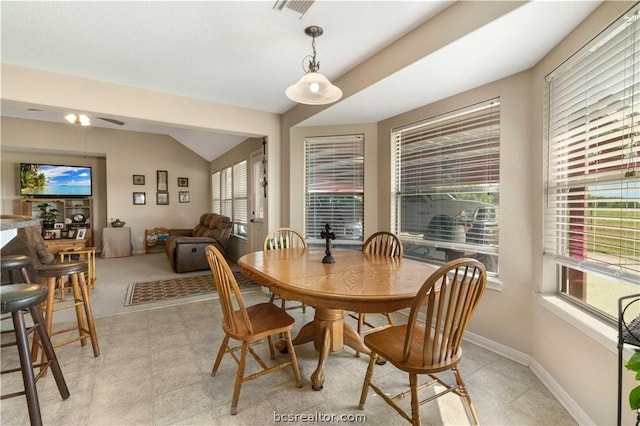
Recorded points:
(357, 282)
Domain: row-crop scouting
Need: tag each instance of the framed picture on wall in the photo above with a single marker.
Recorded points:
(138, 179)
(163, 177)
(139, 198)
(162, 198)
(183, 182)
(183, 196)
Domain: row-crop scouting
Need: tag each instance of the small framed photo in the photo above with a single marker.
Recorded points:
(58, 225)
(138, 179)
(49, 234)
(162, 198)
(139, 198)
(71, 233)
(163, 177)
(183, 196)
(183, 182)
(81, 233)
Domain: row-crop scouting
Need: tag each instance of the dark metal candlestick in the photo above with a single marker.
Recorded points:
(328, 236)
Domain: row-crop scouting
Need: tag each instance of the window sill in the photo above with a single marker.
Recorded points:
(602, 333)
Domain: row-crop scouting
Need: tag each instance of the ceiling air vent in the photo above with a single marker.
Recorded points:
(296, 7)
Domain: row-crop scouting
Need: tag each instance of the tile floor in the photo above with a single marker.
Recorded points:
(154, 369)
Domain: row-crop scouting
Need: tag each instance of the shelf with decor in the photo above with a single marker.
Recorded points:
(73, 215)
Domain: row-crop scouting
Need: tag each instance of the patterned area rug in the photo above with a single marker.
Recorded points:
(156, 291)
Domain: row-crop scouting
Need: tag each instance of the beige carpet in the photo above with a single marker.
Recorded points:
(158, 290)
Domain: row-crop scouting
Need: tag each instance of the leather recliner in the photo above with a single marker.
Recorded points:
(186, 248)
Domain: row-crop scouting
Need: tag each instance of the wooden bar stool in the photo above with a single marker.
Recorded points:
(87, 254)
(15, 299)
(16, 264)
(51, 274)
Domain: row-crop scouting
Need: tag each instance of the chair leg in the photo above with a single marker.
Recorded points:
(239, 378)
(221, 352)
(294, 359)
(389, 319)
(272, 350)
(77, 296)
(26, 367)
(415, 402)
(47, 348)
(367, 379)
(88, 311)
(466, 398)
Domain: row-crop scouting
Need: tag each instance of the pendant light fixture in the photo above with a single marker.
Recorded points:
(313, 88)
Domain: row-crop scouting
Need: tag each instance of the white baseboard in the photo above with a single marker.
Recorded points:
(558, 392)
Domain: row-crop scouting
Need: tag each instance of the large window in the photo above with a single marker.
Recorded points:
(446, 185)
(592, 211)
(229, 195)
(334, 187)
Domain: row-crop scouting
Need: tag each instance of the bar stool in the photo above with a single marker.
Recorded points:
(51, 274)
(15, 298)
(87, 254)
(15, 264)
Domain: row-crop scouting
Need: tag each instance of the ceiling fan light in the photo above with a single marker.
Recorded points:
(80, 119)
(313, 89)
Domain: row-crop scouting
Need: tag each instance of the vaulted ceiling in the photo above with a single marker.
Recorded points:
(246, 53)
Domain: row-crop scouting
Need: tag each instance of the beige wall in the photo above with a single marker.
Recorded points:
(58, 92)
(575, 357)
(578, 352)
(116, 156)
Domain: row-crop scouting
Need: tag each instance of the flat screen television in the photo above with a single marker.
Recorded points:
(51, 180)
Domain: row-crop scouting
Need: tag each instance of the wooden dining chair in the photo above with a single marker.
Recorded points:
(282, 238)
(431, 340)
(249, 325)
(385, 244)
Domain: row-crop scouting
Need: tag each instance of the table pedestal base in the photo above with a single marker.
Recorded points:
(329, 334)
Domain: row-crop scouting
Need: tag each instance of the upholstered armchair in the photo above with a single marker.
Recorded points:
(186, 247)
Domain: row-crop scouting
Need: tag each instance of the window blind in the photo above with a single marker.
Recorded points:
(240, 209)
(227, 192)
(334, 186)
(446, 181)
(216, 199)
(592, 212)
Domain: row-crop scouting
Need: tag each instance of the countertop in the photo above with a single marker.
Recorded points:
(6, 224)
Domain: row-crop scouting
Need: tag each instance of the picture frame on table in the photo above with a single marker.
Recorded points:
(162, 198)
(71, 234)
(183, 182)
(163, 178)
(81, 233)
(139, 198)
(183, 197)
(138, 179)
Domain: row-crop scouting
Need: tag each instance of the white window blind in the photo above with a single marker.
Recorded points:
(216, 196)
(446, 184)
(240, 208)
(334, 186)
(592, 212)
(227, 192)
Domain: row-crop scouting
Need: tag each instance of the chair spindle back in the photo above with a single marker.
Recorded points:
(284, 238)
(448, 298)
(227, 287)
(383, 243)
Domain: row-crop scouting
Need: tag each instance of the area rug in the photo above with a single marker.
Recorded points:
(160, 290)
